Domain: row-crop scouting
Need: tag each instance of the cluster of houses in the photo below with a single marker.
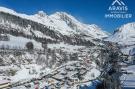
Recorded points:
(5, 84)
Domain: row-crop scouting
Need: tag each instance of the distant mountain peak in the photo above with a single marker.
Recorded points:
(61, 22)
(41, 13)
(94, 26)
(126, 28)
(124, 35)
(64, 16)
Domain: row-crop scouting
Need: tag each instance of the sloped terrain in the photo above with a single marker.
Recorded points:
(35, 46)
(125, 37)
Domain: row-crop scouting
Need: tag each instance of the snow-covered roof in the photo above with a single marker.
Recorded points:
(4, 82)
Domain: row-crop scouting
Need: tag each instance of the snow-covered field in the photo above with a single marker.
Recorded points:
(19, 42)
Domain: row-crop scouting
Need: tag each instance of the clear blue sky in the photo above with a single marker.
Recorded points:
(87, 11)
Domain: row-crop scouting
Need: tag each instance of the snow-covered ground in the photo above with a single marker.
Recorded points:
(27, 72)
(24, 72)
(19, 42)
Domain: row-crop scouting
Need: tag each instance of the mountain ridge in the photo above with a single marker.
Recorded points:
(124, 33)
(125, 37)
(49, 20)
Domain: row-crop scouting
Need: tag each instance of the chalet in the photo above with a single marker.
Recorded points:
(4, 84)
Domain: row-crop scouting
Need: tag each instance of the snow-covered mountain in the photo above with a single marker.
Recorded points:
(125, 36)
(60, 31)
(71, 25)
(73, 51)
(60, 24)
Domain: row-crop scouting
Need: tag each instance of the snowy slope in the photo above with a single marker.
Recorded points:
(70, 24)
(61, 22)
(124, 35)
(66, 39)
(19, 42)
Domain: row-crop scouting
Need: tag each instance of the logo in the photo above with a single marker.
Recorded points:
(118, 9)
(118, 2)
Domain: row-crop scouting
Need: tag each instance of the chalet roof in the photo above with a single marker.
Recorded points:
(4, 81)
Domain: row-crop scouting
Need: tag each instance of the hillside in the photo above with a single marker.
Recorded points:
(124, 36)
